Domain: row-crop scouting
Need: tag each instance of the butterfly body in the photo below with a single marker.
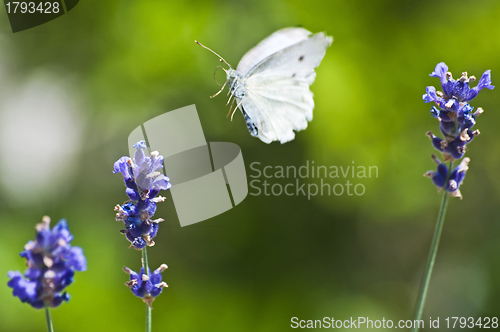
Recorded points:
(236, 84)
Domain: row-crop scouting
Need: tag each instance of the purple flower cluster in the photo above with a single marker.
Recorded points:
(51, 262)
(143, 182)
(146, 286)
(456, 119)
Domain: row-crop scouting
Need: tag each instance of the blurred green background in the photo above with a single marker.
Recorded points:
(73, 89)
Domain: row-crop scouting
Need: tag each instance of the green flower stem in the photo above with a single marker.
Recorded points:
(424, 286)
(50, 328)
(146, 270)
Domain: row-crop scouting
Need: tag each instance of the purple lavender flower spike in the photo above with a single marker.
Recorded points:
(146, 286)
(51, 262)
(454, 113)
(143, 181)
(456, 119)
(460, 89)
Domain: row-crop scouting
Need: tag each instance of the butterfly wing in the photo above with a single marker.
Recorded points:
(276, 114)
(277, 96)
(277, 41)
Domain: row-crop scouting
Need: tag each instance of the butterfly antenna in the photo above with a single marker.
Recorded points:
(215, 72)
(220, 58)
(223, 85)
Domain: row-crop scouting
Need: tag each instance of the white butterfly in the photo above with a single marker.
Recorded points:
(271, 83)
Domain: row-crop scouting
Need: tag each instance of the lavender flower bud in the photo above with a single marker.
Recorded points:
(146, 286)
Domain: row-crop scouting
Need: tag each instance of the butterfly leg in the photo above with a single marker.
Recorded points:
(230, 108)
(223, 86)
(237, 106)
(231, 96)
